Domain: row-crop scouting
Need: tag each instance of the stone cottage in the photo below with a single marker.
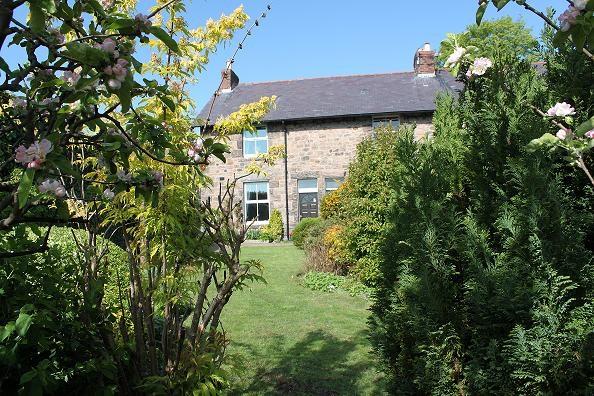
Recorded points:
(319, 121)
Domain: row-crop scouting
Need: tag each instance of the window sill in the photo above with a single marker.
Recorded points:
(258, 223)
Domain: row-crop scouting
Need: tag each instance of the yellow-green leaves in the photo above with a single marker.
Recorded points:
(245, 118)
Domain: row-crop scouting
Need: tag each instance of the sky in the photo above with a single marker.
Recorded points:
(316, 38)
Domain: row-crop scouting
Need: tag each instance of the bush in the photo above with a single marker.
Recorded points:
(325, 249)
(364, 202)
(274, 230)
(252, 234)
(331, 203)
(300, 232)
(47, 341)
(325, 282)
(486, 273)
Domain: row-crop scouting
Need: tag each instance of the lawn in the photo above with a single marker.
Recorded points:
(296, 341)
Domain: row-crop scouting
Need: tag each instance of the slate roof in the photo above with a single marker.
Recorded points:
(344, 96)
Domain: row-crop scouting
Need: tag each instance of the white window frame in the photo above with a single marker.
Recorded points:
(304, 190)
(332, 188)
(256, 202)
(248, 136)
(385, 120)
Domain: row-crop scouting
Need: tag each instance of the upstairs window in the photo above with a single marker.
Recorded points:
(332, 183)
(257, 205)
(255, 142)
(379, 122)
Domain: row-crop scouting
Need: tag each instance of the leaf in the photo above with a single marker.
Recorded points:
(36, 18)
(165, 38)
(122, 23)
(560, 38)
(168, 102)
(545, 141)
(6, 331)
(23, 323)
(480, 13)
(86, 54)
(125, 94)
(4, 66)
(585, 127)
(500, 4)
(25, 186)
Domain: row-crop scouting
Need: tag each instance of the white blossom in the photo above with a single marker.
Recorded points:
(561, 110)
(561, 134)
(455, 56)
(108, 194)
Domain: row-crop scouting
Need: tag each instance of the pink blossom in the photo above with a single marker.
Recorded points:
(107, 3)
(109, 45)
(589, 134)
(35, 154)
(114, 84)
(107, 193)
(123, 176)
(21, 156)
(158, 177)
(561, 134)
(49, 101)
(19, 103)
(195, 150)
(71, 77)
(35, 164)
(568, 18)
(143, 21)
(561, 110)
(53, 187)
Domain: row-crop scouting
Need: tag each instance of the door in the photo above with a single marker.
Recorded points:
(308, 205)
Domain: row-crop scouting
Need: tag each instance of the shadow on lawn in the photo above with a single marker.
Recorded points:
(319, 364)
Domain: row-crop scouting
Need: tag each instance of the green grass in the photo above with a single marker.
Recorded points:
(295, 341)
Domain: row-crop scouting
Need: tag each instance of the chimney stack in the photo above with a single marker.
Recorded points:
(424, 63)
(230, 79)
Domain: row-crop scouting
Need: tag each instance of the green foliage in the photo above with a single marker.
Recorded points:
(252, 234)
(486, 273)
(47, 342)
(326, 282)
(274, 230)
(326, 248)
(374, 184)
(494, 37)
(301, 230)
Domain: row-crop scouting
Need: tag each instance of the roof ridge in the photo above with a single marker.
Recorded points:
(326, 77)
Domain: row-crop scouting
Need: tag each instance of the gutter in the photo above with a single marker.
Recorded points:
(286, 180)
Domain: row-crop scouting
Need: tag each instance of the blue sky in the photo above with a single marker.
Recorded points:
(313, 38)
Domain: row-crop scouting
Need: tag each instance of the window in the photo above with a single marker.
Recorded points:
(379, 122)
(257, 206)
(332, 183)
(307, 185)
(308, 198)
(255, 142)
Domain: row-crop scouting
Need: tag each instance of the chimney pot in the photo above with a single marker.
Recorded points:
(424, 62)
(229, 78)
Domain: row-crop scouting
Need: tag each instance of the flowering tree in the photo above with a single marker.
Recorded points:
(576, 24)
(103, 140)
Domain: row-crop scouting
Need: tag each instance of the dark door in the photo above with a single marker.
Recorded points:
(308, 205)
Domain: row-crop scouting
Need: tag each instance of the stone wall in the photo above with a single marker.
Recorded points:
(317, 149)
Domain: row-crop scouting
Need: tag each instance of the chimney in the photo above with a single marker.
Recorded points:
(425, 61)
(230, 79)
